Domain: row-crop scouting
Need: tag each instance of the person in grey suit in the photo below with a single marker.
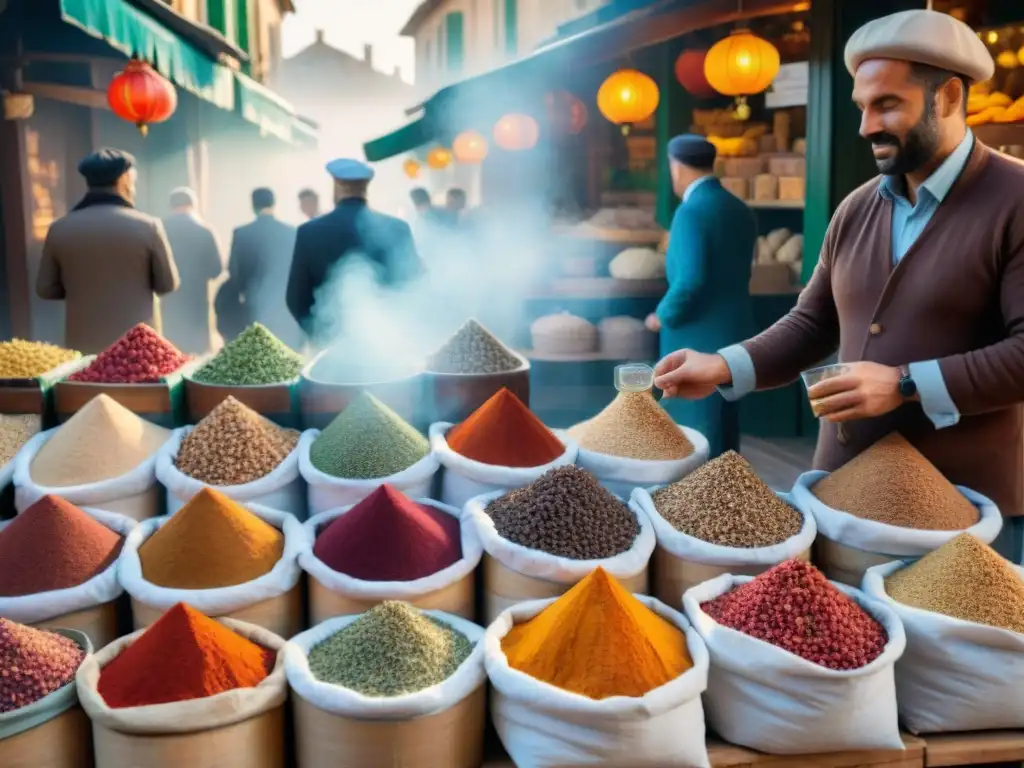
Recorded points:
(187, 315)
(258, 268)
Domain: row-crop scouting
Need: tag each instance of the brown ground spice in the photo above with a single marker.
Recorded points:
(893, 483)
(633, 426)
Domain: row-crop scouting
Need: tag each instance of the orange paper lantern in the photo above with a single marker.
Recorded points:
(627, 97)
(566, 113)
(141, 95)
(516, 132)
(741, 65)
(412, 168)
(469, 147)
(439, 158)
(690, 74)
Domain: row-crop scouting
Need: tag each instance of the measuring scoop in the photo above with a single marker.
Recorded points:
(634, 377)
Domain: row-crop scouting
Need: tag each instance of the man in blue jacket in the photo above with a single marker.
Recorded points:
(707, 306)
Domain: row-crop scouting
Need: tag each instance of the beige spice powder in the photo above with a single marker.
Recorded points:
(633, 426)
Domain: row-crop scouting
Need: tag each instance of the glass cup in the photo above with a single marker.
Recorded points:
(634, 377)
(815, 375)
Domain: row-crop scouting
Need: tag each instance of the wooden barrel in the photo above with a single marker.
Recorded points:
(452, 397)
(271, 400)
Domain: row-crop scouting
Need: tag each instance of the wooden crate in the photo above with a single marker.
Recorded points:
(278, 402)
(162, 403)
(982, 747)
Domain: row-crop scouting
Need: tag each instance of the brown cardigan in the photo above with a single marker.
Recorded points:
(956, 296)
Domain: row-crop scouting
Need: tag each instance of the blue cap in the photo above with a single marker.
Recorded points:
(347, 169)
(692, 150)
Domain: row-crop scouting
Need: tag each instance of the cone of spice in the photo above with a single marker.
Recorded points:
(724, 502)
(794, 607)
(102, 441)
(183, 656)
(367, 440)
(389, 537)
(504, 433)
(566, 512)
(20, 359)
(15, 431)
(391, 650)
(33, 664)
(141, 356)
(893, 483)
(473, 349)
(633, 426)
(964, 579)
(211, 542)
(598, 640)
(234, 445)
(254, 357)
(53, 545)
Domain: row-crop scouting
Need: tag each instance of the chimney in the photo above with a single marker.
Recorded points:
(368, 54)
(320, 36)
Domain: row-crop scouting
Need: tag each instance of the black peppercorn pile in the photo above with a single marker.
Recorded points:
(566, 512)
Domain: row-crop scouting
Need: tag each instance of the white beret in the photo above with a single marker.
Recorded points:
(922, 37)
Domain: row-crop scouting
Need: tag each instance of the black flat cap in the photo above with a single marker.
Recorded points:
(692, 150)
(105, 166)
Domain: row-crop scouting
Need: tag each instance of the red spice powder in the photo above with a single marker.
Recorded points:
(141, 356)
(389, 537)
(793, 606)
(184, 655)
(504, 433)
(53, 545)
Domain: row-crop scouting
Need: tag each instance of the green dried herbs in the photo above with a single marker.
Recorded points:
(254, 357)
(391, 650)
(367, 440)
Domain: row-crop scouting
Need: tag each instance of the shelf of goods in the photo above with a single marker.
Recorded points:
(998, 135)
(620, 236)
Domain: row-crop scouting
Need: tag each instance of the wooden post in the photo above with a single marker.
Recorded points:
(16, 224)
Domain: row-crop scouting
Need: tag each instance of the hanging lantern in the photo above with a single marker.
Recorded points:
(469, 147)
(141, 95)
(566, 113)
(439, 158)
(741, 65)
(627, 97)
(516, 132)
(412, 168)
(690, 74)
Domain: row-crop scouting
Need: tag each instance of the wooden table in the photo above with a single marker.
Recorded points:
(977, 748)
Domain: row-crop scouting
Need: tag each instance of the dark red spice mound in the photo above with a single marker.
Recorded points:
(389, 537)
(793, 606)
(141, 356)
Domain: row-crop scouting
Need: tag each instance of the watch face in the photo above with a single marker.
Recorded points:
(907, 387)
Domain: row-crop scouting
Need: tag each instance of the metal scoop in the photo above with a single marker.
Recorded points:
(634, 377)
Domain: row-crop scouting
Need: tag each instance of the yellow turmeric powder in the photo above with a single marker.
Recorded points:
(599, 641)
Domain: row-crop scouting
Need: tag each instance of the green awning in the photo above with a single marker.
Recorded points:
(405, 139)
(273, 115)
(133, 33)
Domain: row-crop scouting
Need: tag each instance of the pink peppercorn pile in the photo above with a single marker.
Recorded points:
(793, 606)
(33, 663)
(141, 356)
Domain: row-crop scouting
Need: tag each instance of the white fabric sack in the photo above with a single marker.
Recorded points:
(281, 579)
(359, 589)
(955, 675)
(344, 702)
(870, 536)
(621, 475)
(100, 589)
(686, 547)
(464, 478)
(107, 494)
(541, 565)
(326, 492)
(770, 700)
(180, 717)
(543, 726)
(281, 489)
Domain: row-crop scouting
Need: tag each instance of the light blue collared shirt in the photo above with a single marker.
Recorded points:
(908, 222)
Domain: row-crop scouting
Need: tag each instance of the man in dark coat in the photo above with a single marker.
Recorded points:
(257, 274)
(350, 231)
(187, 312)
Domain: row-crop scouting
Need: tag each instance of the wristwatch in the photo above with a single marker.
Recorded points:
(907, 386)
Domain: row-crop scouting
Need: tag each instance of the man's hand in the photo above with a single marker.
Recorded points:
(691, 375)
(653, 323)
(867, 390)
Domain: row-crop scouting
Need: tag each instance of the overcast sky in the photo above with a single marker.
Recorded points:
(349, 24)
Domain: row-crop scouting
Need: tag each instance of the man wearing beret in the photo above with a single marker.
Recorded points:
(920, 282)
(105, 260)
(707, 306)
(329, 242)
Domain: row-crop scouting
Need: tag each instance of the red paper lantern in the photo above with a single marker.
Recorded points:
(690, 74)
(141, 95)
(567, 114)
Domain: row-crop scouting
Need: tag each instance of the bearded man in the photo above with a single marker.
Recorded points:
(919, 284)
